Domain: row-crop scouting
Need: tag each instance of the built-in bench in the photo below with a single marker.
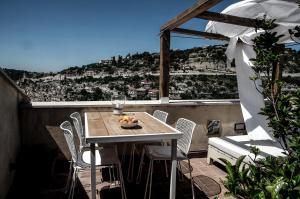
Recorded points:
(232, 147)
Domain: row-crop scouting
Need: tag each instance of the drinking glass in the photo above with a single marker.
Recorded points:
(118, 102)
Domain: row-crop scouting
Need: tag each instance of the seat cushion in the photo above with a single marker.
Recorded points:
(162, 153)
(104, 157)
(237, 146)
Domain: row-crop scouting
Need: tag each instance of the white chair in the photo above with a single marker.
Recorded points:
(81, 160)
(77, 122)
(160, 115)
(164, 152)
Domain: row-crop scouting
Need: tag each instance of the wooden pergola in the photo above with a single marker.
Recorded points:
(198, 11)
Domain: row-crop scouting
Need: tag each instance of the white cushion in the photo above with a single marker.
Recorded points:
(162, 152)
(237, 146)
(104, 157)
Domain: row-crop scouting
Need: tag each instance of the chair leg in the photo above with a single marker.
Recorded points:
(191, 177)
(72, 184)
(122, 185)
(148, 179)
(71, 192)
(166, 169)
(113, 173)
(101, 176)
(180, 171)
(69, 180)
(124, 153)
(75, 182)
(110, 175)
(139, 175)
(131, 164)
(150, 188)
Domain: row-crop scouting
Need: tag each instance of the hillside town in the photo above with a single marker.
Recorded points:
(197, 73)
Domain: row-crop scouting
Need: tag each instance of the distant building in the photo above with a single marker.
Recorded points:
(141, 92)
(89, 72)
(153, 94)
(132, 92)
(146, 84)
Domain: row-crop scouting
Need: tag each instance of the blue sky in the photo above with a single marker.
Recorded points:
(50, 35)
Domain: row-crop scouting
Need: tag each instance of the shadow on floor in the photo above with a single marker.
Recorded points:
(42, 174)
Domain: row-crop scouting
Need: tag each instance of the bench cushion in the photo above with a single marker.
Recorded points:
(237, 146)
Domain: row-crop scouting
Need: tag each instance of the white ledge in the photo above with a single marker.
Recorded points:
(87, 104)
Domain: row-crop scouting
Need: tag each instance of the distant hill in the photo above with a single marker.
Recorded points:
(196, 73)
(18, 74)
(199, 58)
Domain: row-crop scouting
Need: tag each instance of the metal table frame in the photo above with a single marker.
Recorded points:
(174, 136)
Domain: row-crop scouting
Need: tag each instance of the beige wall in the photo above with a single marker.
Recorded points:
(34, 119)
(10, 137)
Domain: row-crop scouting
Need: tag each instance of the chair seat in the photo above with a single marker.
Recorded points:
(104, 157)
(162, 153)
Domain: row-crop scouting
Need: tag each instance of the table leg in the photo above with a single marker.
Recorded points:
(173, 169)
(93, 170)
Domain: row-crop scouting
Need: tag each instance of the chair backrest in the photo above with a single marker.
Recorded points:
(78, 127)
(187, 128)
(68, 133)
(161, 115)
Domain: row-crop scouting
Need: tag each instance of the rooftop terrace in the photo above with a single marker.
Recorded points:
(35, 156)
(31, 143)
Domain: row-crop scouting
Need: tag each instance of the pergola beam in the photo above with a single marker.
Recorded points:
(195, 10)
(206, 35)
(230, 19)
(164, 65)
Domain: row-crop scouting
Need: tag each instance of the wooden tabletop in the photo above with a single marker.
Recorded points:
(104, 127)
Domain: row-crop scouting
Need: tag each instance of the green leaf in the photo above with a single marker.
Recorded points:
(261, 195)
(297, 188)
(228, 194)
(276, 187)
(239, 161)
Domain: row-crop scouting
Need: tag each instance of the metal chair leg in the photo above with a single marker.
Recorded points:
(166, 169)
(75, 181)
(72, 184)
(150, 188)
(131, 164)
(192, 183)
(69, 180)
(180, 171)
(148, 178)
(139, 174)
(124, 153)
(70, 196)
(122, 185)
(109, 172)
(113, 172)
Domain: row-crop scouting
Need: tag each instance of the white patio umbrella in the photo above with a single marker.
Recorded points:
(287, 15)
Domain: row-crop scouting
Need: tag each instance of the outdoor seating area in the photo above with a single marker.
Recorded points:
(149, 149)
(72, 179)
(107, 156)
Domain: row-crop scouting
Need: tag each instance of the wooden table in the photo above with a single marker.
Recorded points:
(104, 127)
